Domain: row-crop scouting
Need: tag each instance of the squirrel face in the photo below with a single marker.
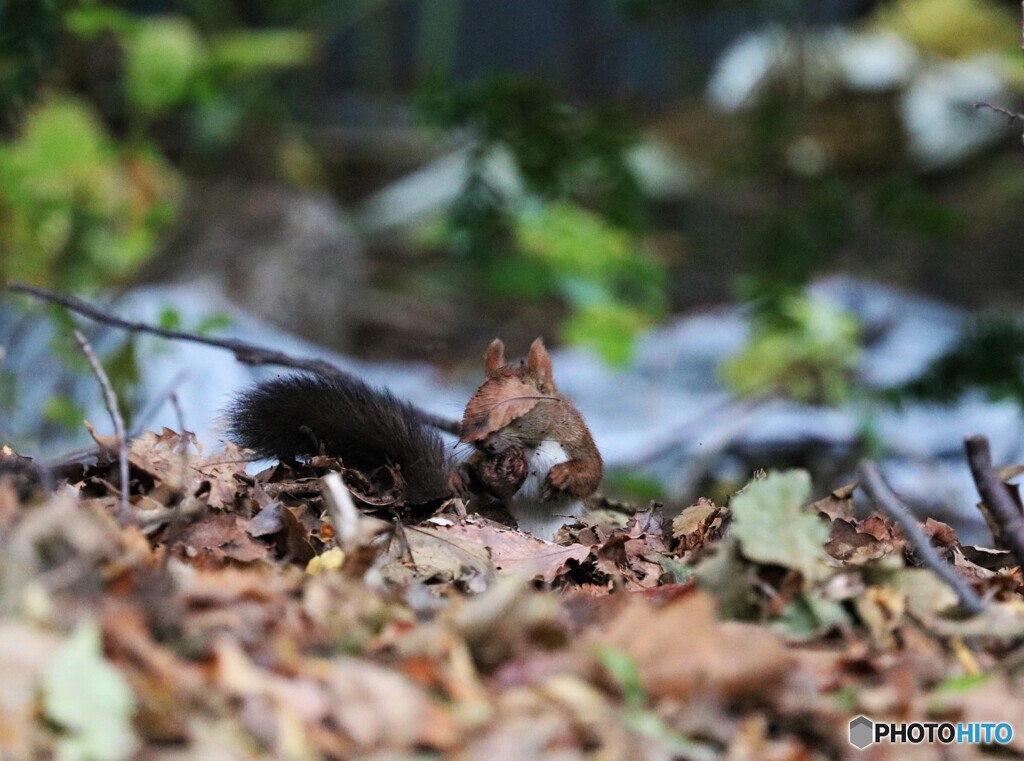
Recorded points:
(512, 407)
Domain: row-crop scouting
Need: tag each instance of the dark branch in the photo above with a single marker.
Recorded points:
(244, 352)
(110, 399)
(1013, 116)
(996, 496)
(878, 490)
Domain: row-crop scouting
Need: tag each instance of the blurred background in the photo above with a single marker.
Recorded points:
(763, 232)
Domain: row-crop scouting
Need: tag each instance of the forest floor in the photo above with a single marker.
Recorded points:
(308, 613)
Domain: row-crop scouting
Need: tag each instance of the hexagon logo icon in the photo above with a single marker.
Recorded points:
(861, 732)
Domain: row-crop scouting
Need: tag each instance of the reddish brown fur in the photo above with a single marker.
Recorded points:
(551, 419)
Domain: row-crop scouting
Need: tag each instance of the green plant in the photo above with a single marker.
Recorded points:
(77, 208)
(575, 230)
(988, 356)
(808, 354)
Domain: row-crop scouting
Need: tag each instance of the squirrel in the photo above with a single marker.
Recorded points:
(533, 454)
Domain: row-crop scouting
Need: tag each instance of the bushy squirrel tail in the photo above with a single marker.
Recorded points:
(302, 415)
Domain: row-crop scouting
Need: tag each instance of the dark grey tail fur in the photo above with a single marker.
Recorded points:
(287, 417)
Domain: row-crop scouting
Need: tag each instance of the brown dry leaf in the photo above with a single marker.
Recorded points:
(838, 505)
(681, 651)
(429, 555)
(165, 456)
(699, 525)
(996, 700)
(941, 534)
(521, 734)
(108, 444)
(518, 553)
(634, 553)
(26, 651)
(862, 541)
(221, 469)
(219, 537)
(379, 708)
(497, 403)
(855, 547)
(292, 539)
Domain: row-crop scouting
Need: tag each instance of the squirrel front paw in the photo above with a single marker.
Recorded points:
(559, 481)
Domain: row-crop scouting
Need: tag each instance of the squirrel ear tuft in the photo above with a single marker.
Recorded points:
(539, 363)
(494, 358)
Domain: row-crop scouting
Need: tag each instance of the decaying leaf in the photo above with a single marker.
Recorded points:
(434, 557)
(25, 652)
(90, 700)
(774, 526)
(218, 538)
(699, 524)
(685, 653)
(497, 403)
(428, 638)
(518, 553)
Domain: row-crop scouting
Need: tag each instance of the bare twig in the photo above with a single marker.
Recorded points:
(244, 352)
(996, 496)
(178, 414)
(1013, 116)
(878, 490)
(110, 399)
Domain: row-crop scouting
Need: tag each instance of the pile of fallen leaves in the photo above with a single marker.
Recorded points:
(305, 613)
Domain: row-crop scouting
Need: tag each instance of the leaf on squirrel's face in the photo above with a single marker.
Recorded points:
(498, 402)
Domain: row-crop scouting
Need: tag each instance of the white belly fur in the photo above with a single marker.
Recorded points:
(542, 519)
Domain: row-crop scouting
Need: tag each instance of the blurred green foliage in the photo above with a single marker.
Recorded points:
(902, 203)
(29, 34)
(951, 28)
(88, 180)
(171, 63)
(614, 286)
(989, 356)
(81, 206)
(77, 208)
(809, 355)
(576, 230)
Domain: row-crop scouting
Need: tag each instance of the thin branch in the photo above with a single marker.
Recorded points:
(246, 353)
(879, 491)
(1013, 116)
(110, 399)
(996, 496)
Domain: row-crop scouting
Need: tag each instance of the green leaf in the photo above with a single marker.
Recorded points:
(163, 60)
(961, 683)
(608, 327)
(680, 573)
(773, 526)
(65, 412)
(623, 670)
(90, 21)
(213, 323)
(258, 51)
(90, 700)
(730, 580)
(169, 318)
(807, 616)
(809, 357)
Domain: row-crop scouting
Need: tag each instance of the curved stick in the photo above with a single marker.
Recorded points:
(875, 487)
(244, 352)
